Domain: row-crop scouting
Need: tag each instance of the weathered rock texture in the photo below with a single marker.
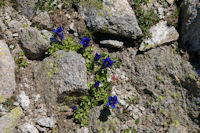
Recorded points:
(33, 43)
(115, 17)
(27, 7)
(190, 26)
(161, 33)
(7, 72)
(63, 74)
(9, 121)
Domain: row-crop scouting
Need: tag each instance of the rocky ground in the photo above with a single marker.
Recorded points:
(47, 84)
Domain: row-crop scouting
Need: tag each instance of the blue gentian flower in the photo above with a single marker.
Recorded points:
(97, 57)
(106, 62)
(59, 33)
(74, 108)
(85, 41)
(96, 84)
(112, 101)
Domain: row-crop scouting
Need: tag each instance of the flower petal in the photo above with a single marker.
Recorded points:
(107, 104)
(113, 106)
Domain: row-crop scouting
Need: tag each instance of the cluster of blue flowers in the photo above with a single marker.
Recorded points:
(107, 62)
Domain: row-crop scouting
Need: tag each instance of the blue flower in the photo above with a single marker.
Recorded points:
(96, 84)
(74, 108)
(112, 101)
(85, 41)
(97, 57)
(59, 33)
(106, 62)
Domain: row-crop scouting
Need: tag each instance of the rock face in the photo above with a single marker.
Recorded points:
(8, 121)
(43, 20)
(46, 122)
(33, 43)
(115, 17)
(112, 43)
(190, 26)
(27, 7)
(28, 128)
(7, 72)
(63, 74)
(161, 33)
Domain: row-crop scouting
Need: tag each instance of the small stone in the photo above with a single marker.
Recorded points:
(15, 35)
(113, 43)
(161, 33)
(16, 104)
(170, 1)
(36, 97)
(71, 26)
(82, 130)
(46, 122)
(2, 109)
(23, 100)
(75, 34)
(41, 129)
(28, 128)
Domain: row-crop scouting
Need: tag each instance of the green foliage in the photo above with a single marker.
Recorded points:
(145, 19)
(67, 45)
(20, 60)
(8, 104)
(137, 121)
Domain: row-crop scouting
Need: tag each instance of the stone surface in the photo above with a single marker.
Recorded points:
(82, 130)
(27, 7)
(33, 43)
(112, 43)
(28, 128)
(2, 109)
(7, 72)
(2, 26)
(170, 1)
(63, 74)
(161, 33)
(42, 20)
(190, 27)
(114, 17)
(23, 100)
(14, 25)
(9, 121)
(179, 129)
(46, 122)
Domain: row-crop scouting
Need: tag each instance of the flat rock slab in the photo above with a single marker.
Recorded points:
(62, 74)
(32, 42)
(28, 128)
(7, 72)
(9, 121)
(111, 16)
(161, 33)
(112, 43)
(46, 122)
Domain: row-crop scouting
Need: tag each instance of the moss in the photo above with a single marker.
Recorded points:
(159, 78)
(51, 69)
(175, 123)
(2, 99)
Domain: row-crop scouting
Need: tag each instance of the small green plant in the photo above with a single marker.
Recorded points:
(8, 104)
(145, 19)
(20, 60)
(137, 121)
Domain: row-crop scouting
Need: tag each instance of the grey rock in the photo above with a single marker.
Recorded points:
(82, 130)
(42, 20)
(112, 43)
(28, 128)
(190, 26)
(2, 109)
(161, 33)
(32, 42)
(9, 121)
(179, 129)
(114, 17)
(14, 25)
(27, 7)
(62, 74)
(8, 34)
(46, 122)
(7, 72)
(2, 26)
(23, 100)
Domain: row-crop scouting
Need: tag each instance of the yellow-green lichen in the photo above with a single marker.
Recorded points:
(51, 69)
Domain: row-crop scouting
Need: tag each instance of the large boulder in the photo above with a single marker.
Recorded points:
(62, 74)
(10, 120)
(32, 42)
(27, 7)
(115, 17)
(7, 72)
(190, 26)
